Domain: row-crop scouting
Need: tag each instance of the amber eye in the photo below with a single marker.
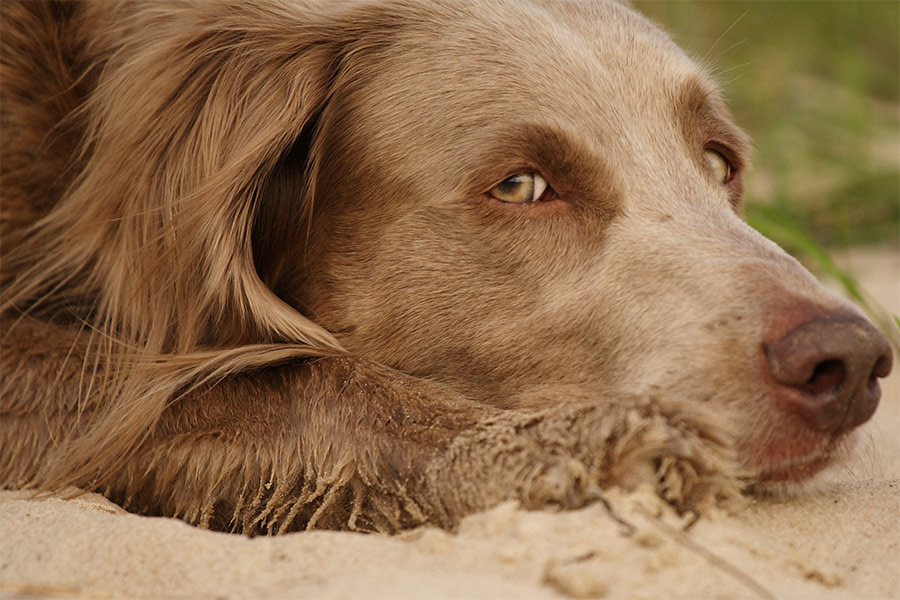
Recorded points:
(521, 188)
(718, 166)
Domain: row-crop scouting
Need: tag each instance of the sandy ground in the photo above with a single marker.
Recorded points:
(841, 542)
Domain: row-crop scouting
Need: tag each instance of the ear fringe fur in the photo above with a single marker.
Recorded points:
(202, 105)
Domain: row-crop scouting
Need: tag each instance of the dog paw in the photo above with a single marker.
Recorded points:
(560, 457)
(690, 460)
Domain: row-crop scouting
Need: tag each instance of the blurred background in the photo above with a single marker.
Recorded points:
(817, 86)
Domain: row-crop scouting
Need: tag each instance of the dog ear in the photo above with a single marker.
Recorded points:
(196, 111)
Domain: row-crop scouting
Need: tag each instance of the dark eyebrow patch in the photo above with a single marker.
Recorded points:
(705, 120)
(573, 168)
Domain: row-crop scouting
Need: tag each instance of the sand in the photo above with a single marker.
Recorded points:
(840, 541)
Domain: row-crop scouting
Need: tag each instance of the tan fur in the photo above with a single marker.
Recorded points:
(251, 278)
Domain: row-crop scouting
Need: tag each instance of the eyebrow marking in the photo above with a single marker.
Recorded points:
(703, 113)
(579, 173)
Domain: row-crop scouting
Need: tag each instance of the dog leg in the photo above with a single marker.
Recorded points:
(345, 443)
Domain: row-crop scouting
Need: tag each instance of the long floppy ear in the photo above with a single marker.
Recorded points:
(188, 121)
(151, 245)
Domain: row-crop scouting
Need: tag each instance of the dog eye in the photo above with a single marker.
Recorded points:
(520, 189)
(719, 166)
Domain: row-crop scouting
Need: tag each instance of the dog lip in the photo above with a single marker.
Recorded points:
(795, 469)
(800, 466)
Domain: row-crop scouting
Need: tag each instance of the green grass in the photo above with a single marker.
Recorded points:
(817, 86)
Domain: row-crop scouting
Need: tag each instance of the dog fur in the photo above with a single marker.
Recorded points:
(253, 276)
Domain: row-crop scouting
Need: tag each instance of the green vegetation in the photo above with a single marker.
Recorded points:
(817, 86)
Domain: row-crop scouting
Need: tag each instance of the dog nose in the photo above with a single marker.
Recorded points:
(827, 370)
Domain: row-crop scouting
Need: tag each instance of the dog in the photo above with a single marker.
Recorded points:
(271, 265)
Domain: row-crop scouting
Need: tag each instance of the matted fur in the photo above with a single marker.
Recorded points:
(235, 292)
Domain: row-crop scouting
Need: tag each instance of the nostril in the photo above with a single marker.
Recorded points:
(827, 376)
(881, 369)
(883, 365)
(873, 387)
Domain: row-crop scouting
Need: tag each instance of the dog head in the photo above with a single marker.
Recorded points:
(517, 199)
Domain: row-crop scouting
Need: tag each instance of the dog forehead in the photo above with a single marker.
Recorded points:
(600, 44)
(447, 97)
(467, 65)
